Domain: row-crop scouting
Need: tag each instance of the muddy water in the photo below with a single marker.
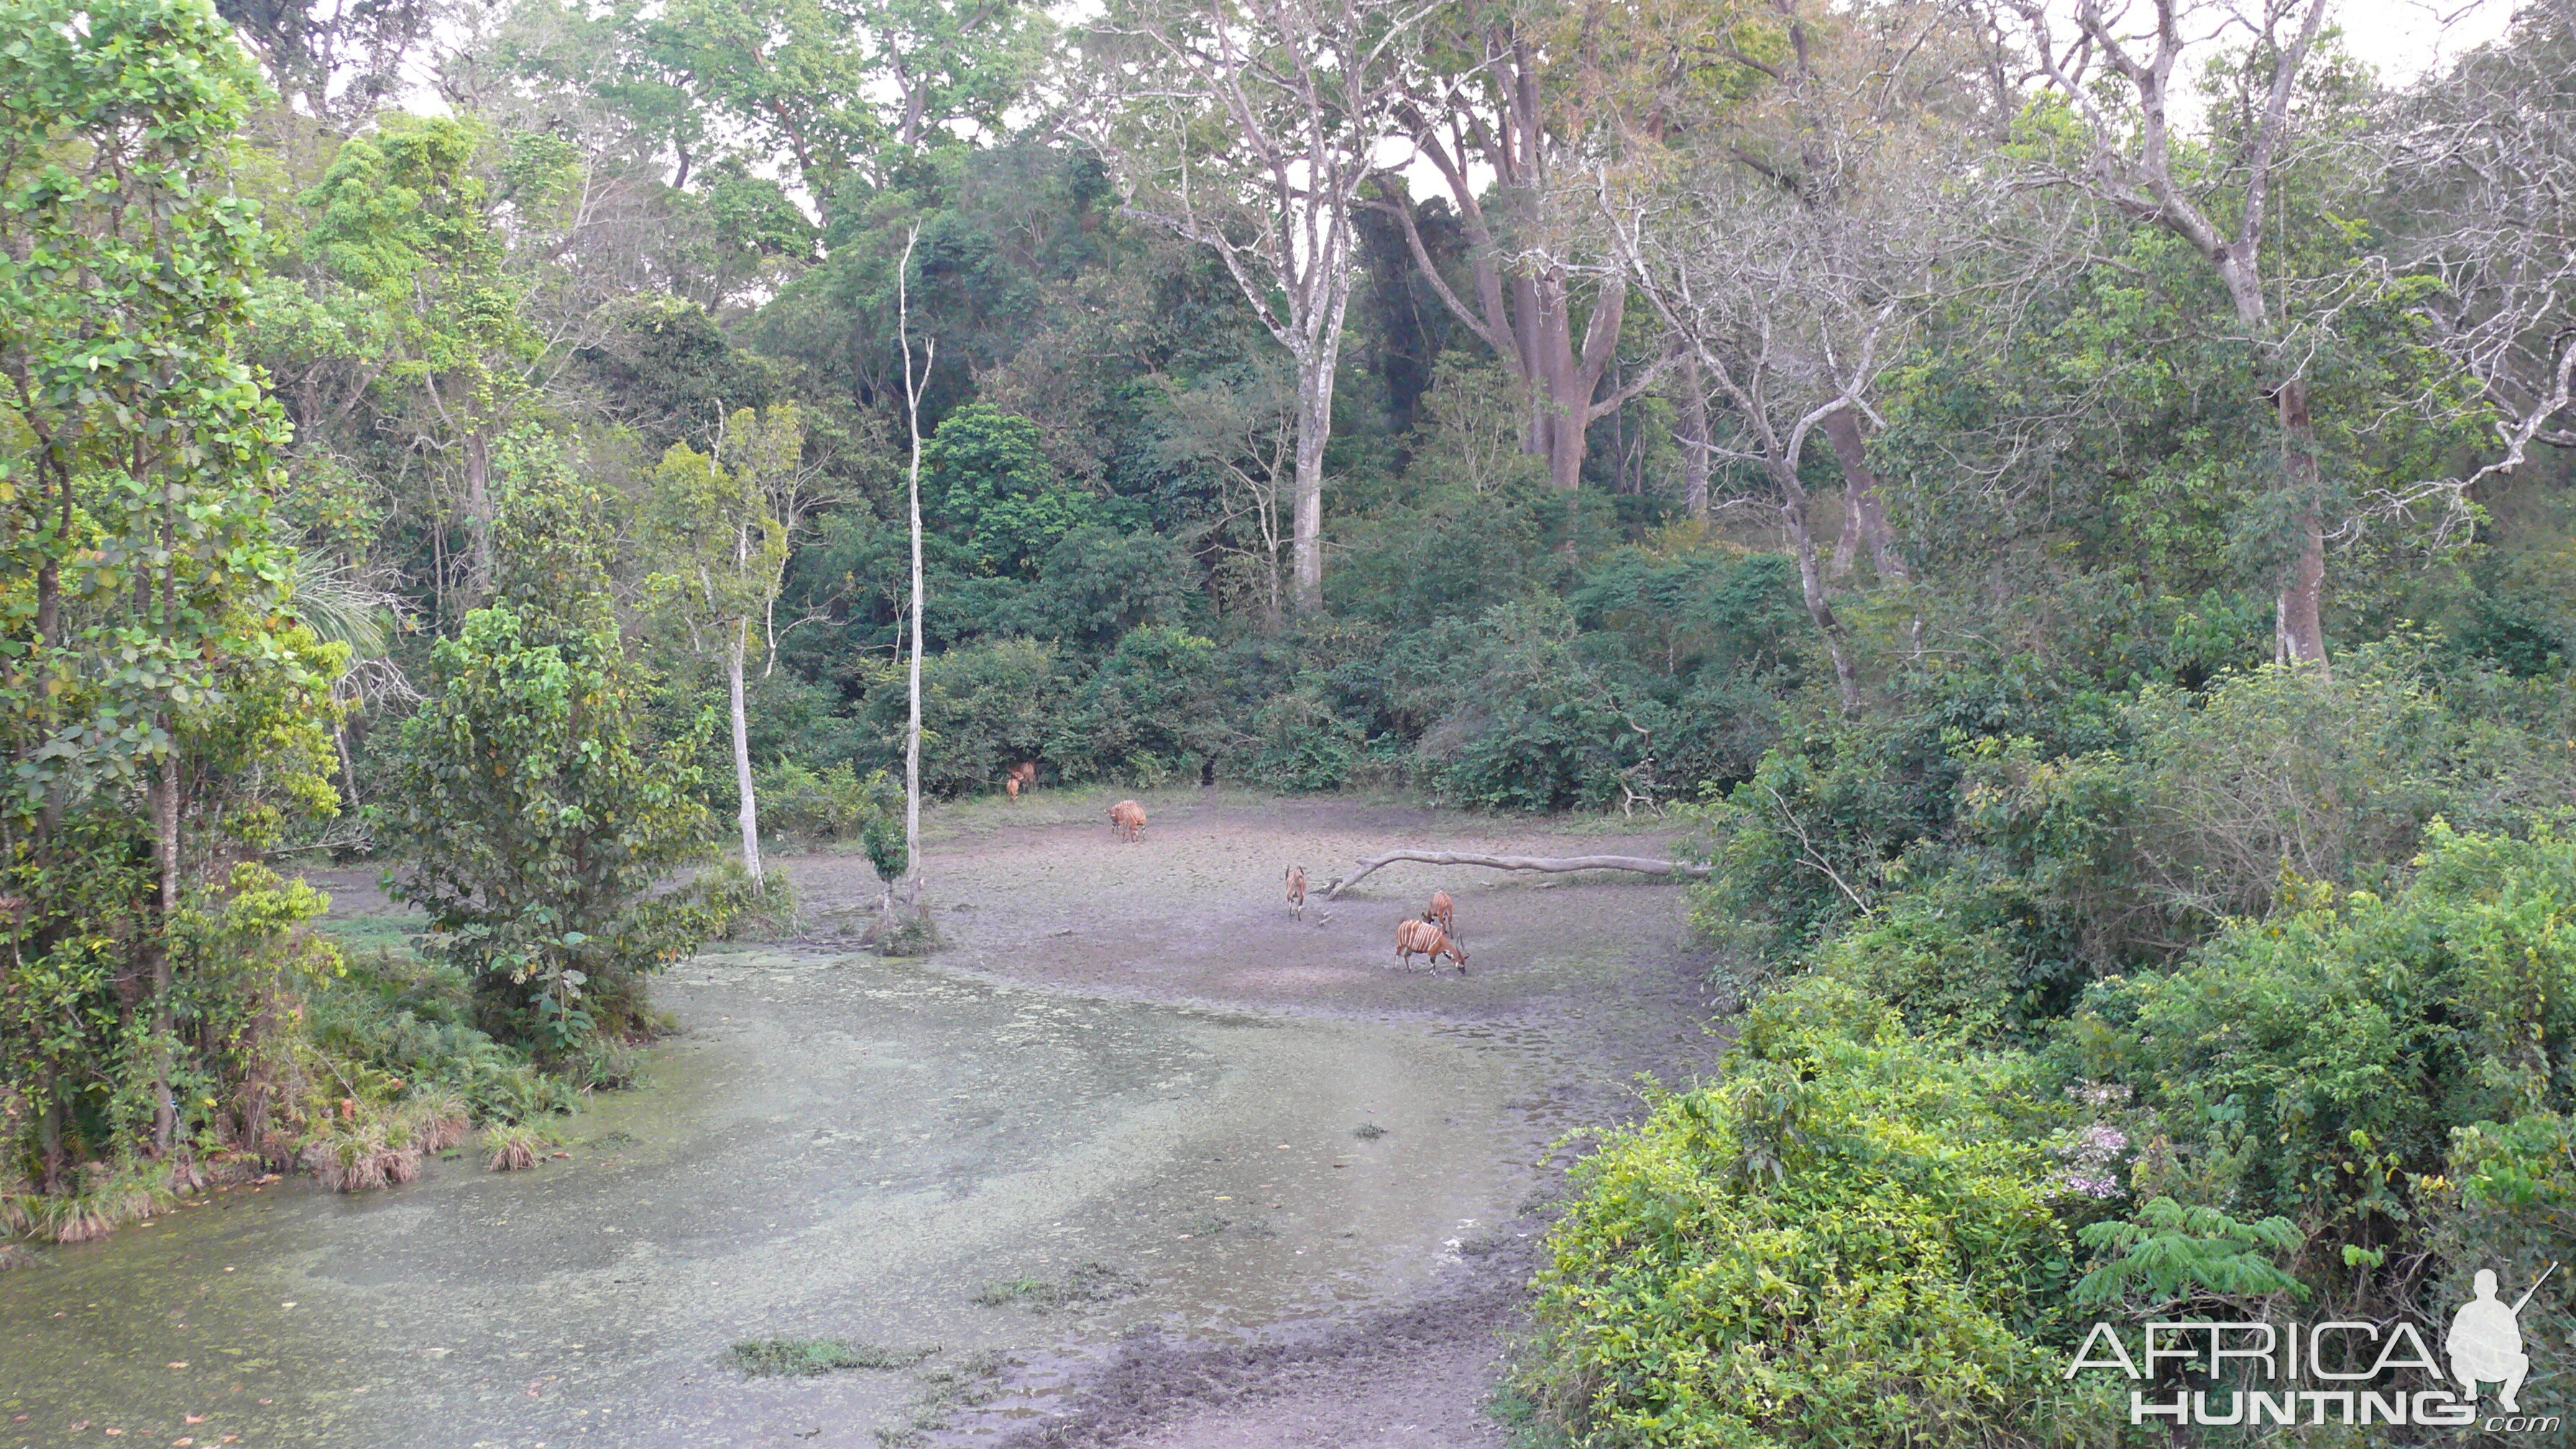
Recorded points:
(838, 1146)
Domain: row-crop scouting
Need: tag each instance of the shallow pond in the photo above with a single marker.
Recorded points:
(839, 1146)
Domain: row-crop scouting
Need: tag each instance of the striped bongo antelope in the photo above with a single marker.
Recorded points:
(1023, 776)
(1127, 820)
(1297, 890)
(1421, 938)
(1443, 912)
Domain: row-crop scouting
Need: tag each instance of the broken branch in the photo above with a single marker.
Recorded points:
(1556, 864)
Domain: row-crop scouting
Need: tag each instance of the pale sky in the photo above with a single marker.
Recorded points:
(2403, 38)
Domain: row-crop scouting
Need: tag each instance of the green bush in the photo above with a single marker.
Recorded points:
(405, 1027)
(1848, 1240)
(1527, 721)
(1304, 744)
(539, 826)
(830, 804)
(1151, 714)
(2323, 1065)
(988, 486)
(984, 708)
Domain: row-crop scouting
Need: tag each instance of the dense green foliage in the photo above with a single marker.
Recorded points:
(536, 827)
(1849, 1240)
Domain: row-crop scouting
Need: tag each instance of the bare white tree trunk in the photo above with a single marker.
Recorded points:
(1314, 428)
(912, 730)
(750, 812)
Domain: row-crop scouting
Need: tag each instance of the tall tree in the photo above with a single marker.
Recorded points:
(1482, 110)
(336, 60)
(1252, 128)
(2118, 86)
(912, 504)
(414, 226)
(133, 492)
(839, 89)
(719, 522)
(1787, 233)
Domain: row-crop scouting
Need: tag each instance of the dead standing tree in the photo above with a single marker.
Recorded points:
(2482, 181)
(1788, 302)
(2126, 157)
(1250, 127)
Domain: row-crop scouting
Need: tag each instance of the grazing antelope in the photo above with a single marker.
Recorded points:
(1127, 820)
(1443, 912)
(1421, 938)
(1023, 776)
(1297, 891)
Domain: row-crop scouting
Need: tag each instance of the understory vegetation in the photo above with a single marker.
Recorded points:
(2101, 593)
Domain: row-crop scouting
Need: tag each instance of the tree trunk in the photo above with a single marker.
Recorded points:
(1314, 429)
(912, 728)
(164, 797)
(912, 491)
(1811, 584)
(1567, 433)
(1865, 511)
(2300, 629)
(480, 514)
(1692, 433)
(750, 812)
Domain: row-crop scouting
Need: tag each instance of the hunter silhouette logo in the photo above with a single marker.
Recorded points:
(2351, 1372)
(2485, 1343)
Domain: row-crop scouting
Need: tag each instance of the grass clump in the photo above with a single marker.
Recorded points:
(1368, 1132)
(1090, 1283)
(971, 1382)
(512, 1147)
(103, 1197)
(810, 1357)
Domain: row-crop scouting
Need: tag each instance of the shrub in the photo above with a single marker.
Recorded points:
(808, 1357)
(2334, 1064)
(512, 1147)
(1528, 722)
(1302, 743)
(1151, 713)
(989, 486)
(984, 708)
(1846, 1241)
(539, 825)
(831, 804)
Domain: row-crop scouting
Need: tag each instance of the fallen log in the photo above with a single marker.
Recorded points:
(1556, 864)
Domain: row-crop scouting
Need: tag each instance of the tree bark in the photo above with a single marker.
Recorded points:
(1692, 433)
(1811, 583)
(480, 514)
(749, 814)
(1503, 149)
(912, 489)
(163, 795)
(2302, 638)
(1865, 517)
(1314, 430)
(1552, 864)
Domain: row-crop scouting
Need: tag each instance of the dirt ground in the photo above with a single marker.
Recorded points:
(1593, 974)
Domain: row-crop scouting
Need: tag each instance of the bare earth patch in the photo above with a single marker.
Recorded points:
(1593, 973)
